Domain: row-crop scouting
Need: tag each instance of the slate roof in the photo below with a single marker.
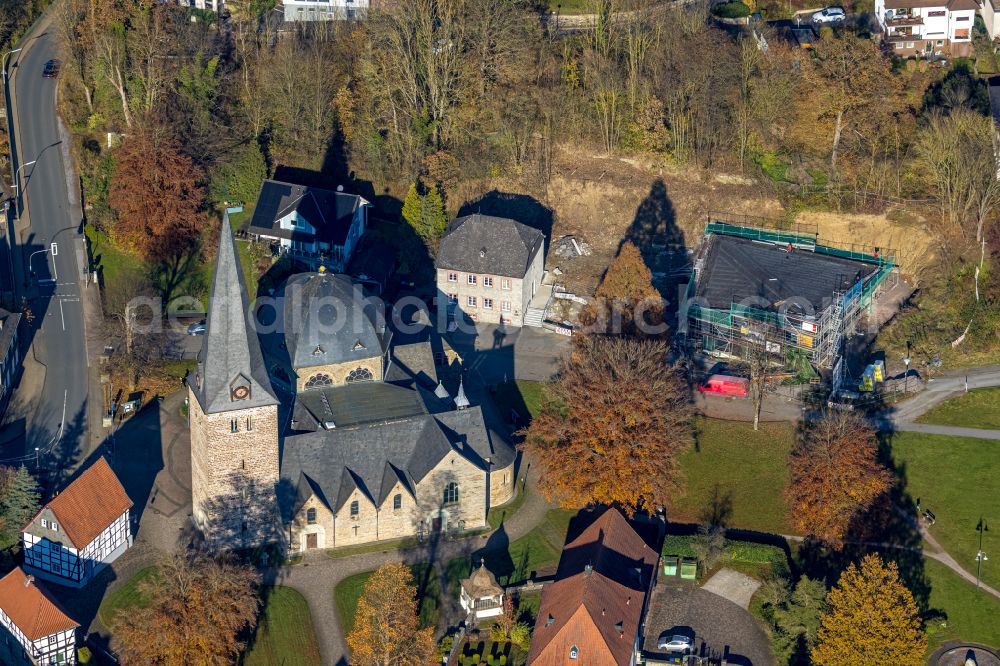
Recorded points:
(231, 351)
(489, 245)
(327, 320)
(597, 600)
(372, 457)
(31, 608)
(353, 404)
(413, 364)
(88, 505)
(329, 213)
(735, 269)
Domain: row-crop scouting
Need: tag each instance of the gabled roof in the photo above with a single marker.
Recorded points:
(354, 404)
(328, 320)
(491, 245)
(231, 348)
(597, 600)
(88, 505)
(329, 213)
(31, 608)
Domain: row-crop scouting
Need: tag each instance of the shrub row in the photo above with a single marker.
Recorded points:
(737, 551)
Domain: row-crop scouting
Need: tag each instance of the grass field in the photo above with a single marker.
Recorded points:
(285, 633)
(958, 479)
(111, 262)
(520, 396)
(736, 474)
(349, 590)
(975, 409)
(972, 616)
(126, 596)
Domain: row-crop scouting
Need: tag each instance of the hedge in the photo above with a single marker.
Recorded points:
(737, 551)
(731, 10)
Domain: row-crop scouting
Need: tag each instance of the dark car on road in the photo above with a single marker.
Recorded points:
(197, 328)
(51, 70)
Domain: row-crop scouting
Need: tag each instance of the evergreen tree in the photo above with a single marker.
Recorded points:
(433, 218)
(412, 206)
(18, 502)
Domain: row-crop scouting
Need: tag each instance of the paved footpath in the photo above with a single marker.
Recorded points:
(904, 416)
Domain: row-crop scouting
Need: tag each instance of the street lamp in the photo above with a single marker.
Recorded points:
(32, 255)
(5, 56)
(906, 362)
(36, 460)
(26, 164)
(980, 556)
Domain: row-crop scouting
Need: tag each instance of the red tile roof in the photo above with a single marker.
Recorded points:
(31, 608)
(597, 600)
(88, 505)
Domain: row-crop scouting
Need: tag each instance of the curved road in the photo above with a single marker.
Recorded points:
(50, 283)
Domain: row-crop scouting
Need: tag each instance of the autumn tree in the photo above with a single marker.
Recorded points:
(835, 475)
(386, 624)
(872, 620)
(424, 212)
(619, 444)
(626, 300)
(156, 192)
(198, 608)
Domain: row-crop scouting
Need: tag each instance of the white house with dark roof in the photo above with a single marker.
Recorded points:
(81, 530)
(927, 27)
(34, 630)
(489, 268)
(316, 227)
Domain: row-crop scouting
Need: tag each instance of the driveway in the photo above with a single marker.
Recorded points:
(719, 627)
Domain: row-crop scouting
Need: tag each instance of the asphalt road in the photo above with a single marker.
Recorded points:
(52, 283)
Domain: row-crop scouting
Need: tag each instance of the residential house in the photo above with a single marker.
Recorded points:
(33, 629)
(489, 268)
(927, 27)
(990, 11)
(324, 10)
(213, 5)
(315, 227)
(10, 354)
(81, 530)
(593, 612)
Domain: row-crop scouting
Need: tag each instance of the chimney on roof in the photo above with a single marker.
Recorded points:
(28, 580)
(587, 570)
(628, 601)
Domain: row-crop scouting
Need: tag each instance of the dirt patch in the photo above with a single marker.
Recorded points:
(912, 241)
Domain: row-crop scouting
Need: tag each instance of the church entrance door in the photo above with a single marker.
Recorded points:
(311, 541)
(436, 524)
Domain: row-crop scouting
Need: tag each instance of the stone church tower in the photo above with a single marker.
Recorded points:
(234, 419)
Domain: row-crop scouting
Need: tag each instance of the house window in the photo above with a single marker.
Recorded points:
(961, 18)
(471, 301)
(472, 279)
(451, 493)
(937, 13)
(354, 509)
(940, 42)
(249, 424)
(899, 45)
(574, 652)
(45, 523)
(397, 502)
(962, 34)
(452, 277)
(909, 45)
(505, 283)
(360, 375)
(311, 516)
(487, 281)
(453, 298)
(488, 303)
(234, 425)
(319, 380)
(55, 526)
(505, 306)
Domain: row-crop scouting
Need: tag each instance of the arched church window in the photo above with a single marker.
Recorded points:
(360, 375)
(311, 516)
(319, 380)
(451, 493)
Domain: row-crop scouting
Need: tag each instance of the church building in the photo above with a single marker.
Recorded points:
(355, 440)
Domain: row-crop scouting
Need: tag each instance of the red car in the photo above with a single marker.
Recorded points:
(726, 385)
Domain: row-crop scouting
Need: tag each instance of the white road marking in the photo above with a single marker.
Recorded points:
(62, 424)
(62, 315)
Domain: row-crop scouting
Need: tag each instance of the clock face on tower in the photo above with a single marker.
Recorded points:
(240, 392)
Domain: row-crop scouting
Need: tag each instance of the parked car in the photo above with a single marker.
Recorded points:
(197, 329)
(676, 643)
(51, 70)
(726, 385)
(830, 15)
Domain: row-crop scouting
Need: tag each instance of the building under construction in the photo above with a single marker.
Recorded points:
(756, 285)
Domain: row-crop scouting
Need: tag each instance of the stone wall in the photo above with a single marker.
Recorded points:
(233, 474)
(514, 296)
(338, 372)
(502, 483)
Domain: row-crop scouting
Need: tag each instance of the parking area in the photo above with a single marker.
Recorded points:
(719, 628)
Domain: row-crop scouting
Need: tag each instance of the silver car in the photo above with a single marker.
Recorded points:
(675, 643)
(830, 15)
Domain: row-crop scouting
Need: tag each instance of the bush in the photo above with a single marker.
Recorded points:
(680, 546)
(83, 655)
(503, 660)
(520, 635)
(240, 178)
(731, 10)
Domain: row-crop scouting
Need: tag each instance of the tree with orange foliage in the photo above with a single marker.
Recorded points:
(157, 194)
(618, 419)
(627, 302)
(198, 607)
(872, 620)
(835, 475)
(386, 625)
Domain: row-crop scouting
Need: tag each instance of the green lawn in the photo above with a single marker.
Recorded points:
(349, 590)
(972, 616)
(572, 6)
(126, 596)
(111, 262)
(519, 396)
(736, 474)
(501, 513)
(285, 634)
(958, 479)
(975, 409)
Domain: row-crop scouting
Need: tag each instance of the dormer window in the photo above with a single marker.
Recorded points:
(318, 351)
(549, 620)
(619, 628)
(574, 652)
(358, 346)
